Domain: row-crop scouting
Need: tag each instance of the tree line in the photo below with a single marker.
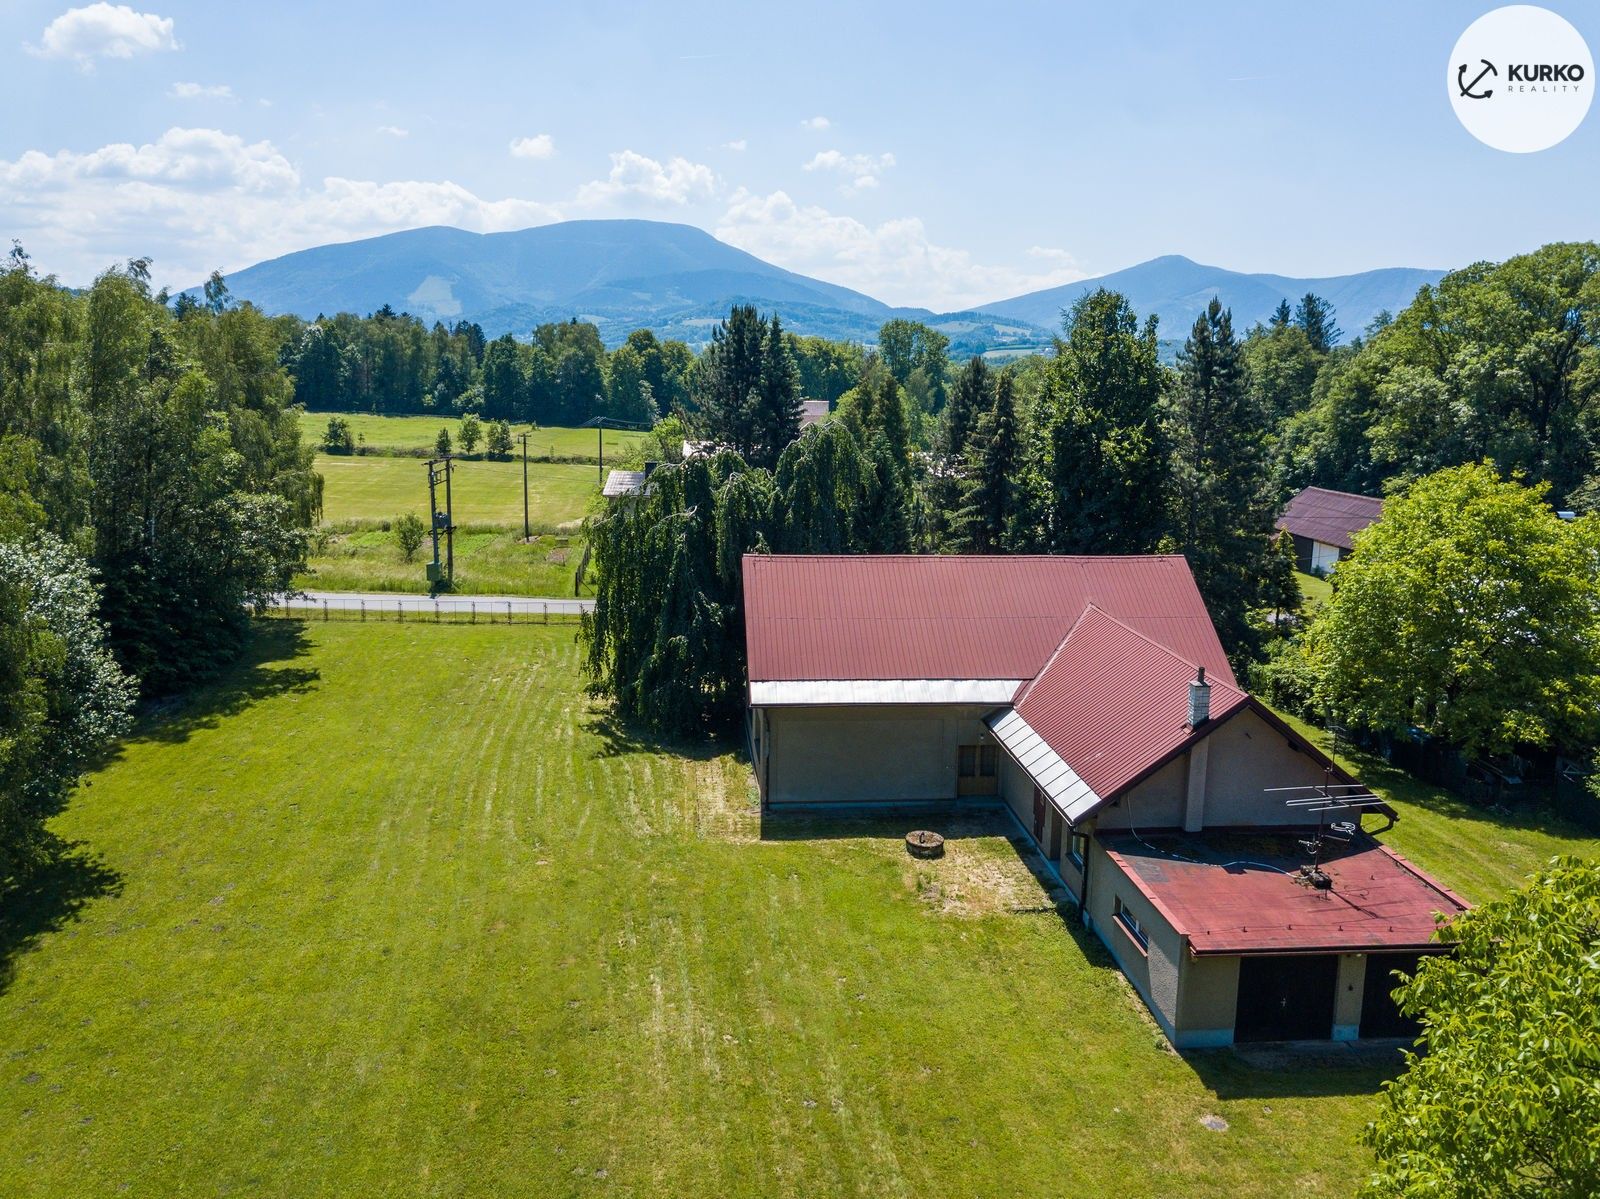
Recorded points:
(560, 375)
(1100, 448)
(153, 488)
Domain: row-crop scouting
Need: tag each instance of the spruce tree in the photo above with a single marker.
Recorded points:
(1282, 315)
(989, 485)
(1315, 316)
(775, 417)
(728, 384)
(1221, 501)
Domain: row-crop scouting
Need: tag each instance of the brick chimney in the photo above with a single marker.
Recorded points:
(1199, 700)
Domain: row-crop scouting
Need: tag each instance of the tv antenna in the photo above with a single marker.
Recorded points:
(1344, 802)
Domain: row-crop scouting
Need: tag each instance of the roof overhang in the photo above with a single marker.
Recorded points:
(785, 693)
(1072, 797)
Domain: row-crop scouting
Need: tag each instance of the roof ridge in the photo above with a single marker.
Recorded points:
(1027, 688)
(1166, 649)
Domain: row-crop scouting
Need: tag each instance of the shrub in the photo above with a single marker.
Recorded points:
(408, 534)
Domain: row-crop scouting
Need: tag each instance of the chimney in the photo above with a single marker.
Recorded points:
(1199, 700)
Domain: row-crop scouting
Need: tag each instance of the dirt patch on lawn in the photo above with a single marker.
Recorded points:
(983, 871)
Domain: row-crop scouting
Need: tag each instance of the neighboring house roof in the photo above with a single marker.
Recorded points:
(1108, 707)
(1234, 893)
(812, 412)
(863, 617)
(623, 482)
(1329, 516)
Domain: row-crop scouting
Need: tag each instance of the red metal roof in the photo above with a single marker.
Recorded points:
(947, 617)
(1232, 893)
(1329, 516)
(1113, 703)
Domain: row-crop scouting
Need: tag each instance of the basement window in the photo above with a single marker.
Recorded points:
(1130, 924)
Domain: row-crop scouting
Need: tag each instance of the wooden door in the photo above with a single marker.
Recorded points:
(977, 770)
(1038, 815)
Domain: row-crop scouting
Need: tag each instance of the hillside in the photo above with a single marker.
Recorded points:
(1176, 289)
(622, 275)
(679, 281)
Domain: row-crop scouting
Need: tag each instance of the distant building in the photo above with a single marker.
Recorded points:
(812, 412)
(622, 482)
(1092, 698)
(1322, 522)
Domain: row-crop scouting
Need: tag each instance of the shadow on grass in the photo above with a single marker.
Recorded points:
(259, 674)
(1534, 814)
(71, 876)
(619, 737)
(1300, 1070)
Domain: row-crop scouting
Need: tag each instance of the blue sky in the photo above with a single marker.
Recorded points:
(928, 154)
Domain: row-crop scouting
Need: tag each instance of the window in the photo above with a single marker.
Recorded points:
(977, 761)
(1130, 924)
(1078, 849)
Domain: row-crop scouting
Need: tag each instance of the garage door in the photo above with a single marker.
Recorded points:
(1286, 998)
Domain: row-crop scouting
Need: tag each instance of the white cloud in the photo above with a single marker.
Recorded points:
(817, 123)
(539, 146)
(679, 181)
(895, 261)
(196, 199)
(738, 144)
(104, 31)
(200, 91)
(394, 131)
(863, 169)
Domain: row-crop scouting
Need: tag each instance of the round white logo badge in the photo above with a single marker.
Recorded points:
(1520, 78)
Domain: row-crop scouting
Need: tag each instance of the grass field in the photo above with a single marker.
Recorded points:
(1478, 851)
(420, 432)
(394, 910)
(488, 562)
(1316, 591)
(484, 493)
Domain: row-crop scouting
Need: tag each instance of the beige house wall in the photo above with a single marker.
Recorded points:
(1245, 757)
(866, 753)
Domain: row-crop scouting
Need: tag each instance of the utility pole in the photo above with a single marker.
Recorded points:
(527, 530)
(441, 576)
(600, 436)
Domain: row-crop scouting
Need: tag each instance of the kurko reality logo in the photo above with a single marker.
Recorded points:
(1519, 78)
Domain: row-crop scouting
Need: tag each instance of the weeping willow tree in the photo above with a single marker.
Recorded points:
(665, 641)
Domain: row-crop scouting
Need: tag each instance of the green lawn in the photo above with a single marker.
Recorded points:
(1480, 852)
(392, 910)
(488, 562)
(419, 433)
(484, 493)
(1316, 591)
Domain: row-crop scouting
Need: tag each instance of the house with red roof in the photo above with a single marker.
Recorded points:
(1322, 524)
(1219, 856)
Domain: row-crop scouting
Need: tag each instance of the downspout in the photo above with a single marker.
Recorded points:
(1083, 889)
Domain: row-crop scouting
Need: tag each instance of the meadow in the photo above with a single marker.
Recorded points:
(370, 487)
(414, 434)
(363, 556)
(396, 909)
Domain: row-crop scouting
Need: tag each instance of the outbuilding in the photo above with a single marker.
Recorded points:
(1323, 523)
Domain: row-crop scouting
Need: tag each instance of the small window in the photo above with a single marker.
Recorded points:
(1078, 849)
(1130, 924)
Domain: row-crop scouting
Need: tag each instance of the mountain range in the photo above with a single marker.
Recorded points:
(680, 281)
